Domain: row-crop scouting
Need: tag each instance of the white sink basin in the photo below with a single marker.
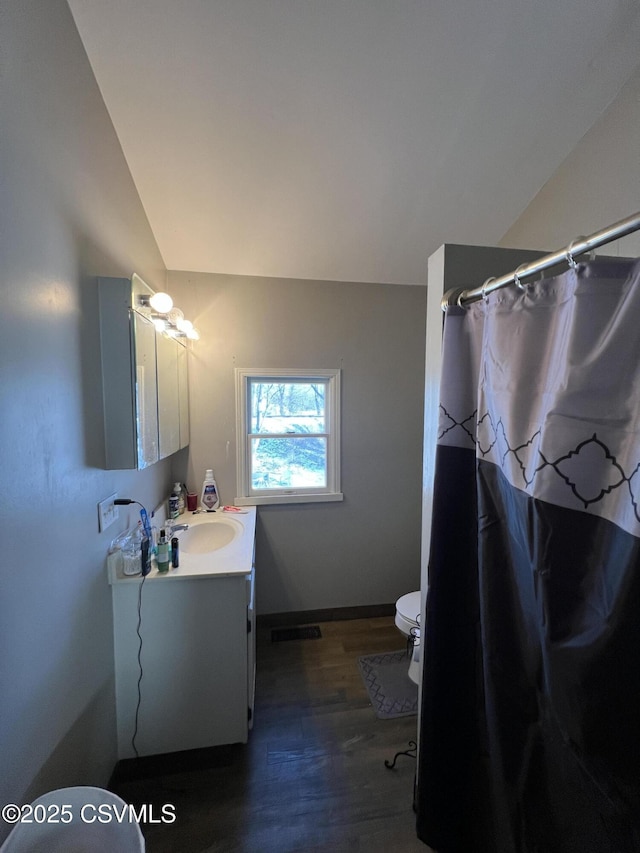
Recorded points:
(209, 536)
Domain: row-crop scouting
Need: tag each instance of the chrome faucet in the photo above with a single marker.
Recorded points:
(173, 528)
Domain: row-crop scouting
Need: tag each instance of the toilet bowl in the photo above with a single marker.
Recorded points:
(408, 613)
(76, 819)
(408, 622)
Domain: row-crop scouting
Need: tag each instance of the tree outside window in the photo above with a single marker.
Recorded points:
(289, 432)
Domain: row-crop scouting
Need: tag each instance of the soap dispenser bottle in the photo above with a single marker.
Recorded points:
(210, 499)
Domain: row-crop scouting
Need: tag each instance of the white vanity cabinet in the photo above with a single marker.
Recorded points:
(197, 656)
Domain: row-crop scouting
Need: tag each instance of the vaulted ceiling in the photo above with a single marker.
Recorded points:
(348, 139)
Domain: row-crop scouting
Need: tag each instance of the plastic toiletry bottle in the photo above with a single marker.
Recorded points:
(163, 552)
(132, 552)
(174, 502)
(210, 499)
(175, 552)
(182, 497)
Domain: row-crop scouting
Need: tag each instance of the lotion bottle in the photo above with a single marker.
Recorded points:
(210, 499)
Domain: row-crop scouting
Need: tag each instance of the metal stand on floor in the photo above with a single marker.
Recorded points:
(410, 753)
(413, 747)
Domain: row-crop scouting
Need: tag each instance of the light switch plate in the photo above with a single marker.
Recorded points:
(107, 512)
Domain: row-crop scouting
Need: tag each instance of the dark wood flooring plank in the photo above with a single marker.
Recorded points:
(312, 777)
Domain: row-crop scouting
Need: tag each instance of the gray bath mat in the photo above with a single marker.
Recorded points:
(386, 677)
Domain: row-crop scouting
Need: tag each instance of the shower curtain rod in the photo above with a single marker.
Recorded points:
(459, 297)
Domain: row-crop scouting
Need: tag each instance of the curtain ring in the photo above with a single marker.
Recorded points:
(569, 252)
(483, 289)
(516, 278)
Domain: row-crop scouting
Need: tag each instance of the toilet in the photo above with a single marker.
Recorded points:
(77, 819)
(408, 622)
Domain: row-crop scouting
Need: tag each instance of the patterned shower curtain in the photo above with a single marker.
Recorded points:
(530, 725)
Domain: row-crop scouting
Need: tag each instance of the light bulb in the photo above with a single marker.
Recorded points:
(193, 334)
(175, 317)
(161, 302)
(184, 325)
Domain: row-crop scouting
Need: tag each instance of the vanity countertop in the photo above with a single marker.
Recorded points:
(231, 559)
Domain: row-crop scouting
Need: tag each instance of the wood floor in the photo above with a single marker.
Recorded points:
(311, 778)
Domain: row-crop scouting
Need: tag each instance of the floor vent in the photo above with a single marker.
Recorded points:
(305, 632)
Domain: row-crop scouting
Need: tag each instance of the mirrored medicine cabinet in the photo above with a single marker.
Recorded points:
(144, 378)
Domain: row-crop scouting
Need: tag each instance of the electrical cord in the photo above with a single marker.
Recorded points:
(145, 571)
(135, 729)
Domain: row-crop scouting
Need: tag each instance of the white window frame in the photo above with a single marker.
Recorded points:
(246, 494)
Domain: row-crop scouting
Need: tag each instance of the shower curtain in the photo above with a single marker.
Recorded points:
(530, 721)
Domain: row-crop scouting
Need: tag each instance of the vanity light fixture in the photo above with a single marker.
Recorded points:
(166, 317)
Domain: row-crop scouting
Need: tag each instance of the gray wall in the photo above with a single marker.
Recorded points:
(598, 184)
(69, 212)
(366, 549)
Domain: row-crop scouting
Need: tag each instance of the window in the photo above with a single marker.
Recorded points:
(288, 436)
